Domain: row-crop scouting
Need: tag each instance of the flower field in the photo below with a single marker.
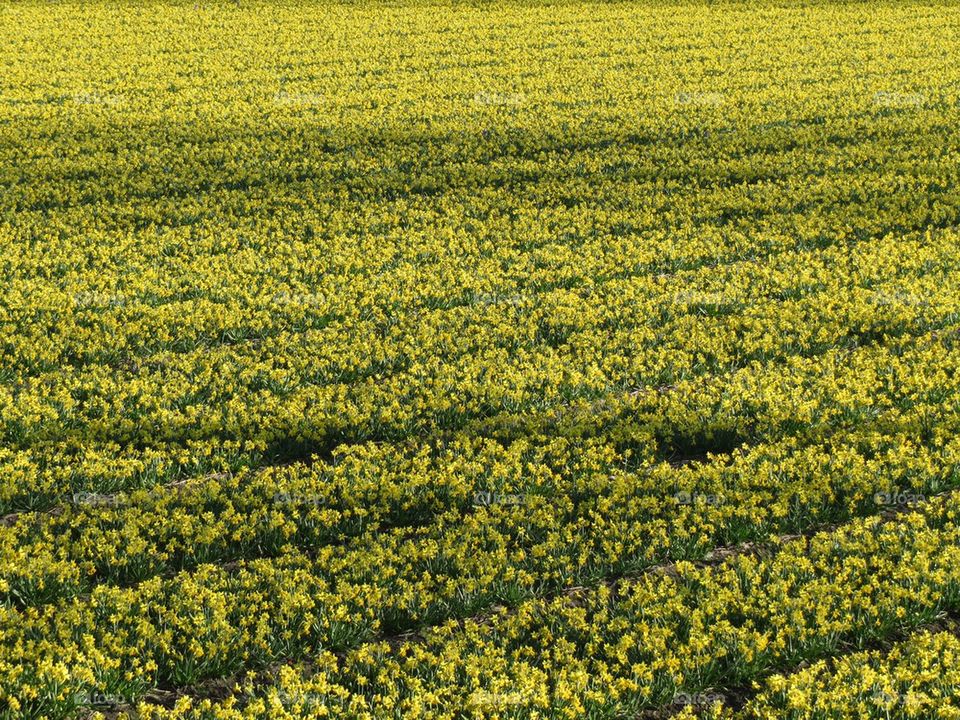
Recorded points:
(529, 360)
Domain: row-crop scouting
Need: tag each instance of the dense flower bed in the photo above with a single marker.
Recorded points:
(453, 360)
